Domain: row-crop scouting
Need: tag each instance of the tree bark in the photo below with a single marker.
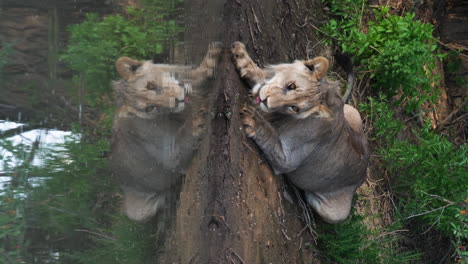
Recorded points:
(232, 208)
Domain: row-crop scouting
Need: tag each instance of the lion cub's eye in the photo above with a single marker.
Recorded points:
(291, 86)
(294, 108)
(152, 86)
(150, 108)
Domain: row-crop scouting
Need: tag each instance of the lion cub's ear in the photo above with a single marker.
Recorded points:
(126, 67)
(318, 67)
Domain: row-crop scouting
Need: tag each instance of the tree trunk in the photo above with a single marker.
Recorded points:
(232, 208)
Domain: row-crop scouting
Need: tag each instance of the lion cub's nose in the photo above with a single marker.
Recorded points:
(259, 100)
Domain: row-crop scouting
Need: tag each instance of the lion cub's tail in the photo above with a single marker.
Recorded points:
(345, 62)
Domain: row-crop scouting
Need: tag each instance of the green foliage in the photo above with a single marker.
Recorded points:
(5, 52)
(353, 243)
(13, 224)
(80, 207)
(382, 119)
(454, 64)
(95, 44)
(123, 242)
(400, 54)
(73, 180)
(68, 183)
(431, 173)
(72, 211)
(437, 184)
(460, 232)
(398, 51)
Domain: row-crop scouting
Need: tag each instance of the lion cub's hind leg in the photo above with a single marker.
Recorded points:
(353, 117)
(247, 67)
(333, 207)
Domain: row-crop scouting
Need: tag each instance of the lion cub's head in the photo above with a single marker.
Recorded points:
(148, 89)
(297, 89)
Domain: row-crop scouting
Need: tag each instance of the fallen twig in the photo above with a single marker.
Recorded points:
(256, 20)
(250, 29)
(95, 233)
(237, 255)
(247, 145)
(450, 116)
(307, 216)
(321, 31)
(449, 203)
(285, 235)
(455, 48)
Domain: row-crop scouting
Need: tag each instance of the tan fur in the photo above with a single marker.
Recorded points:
(123, 65)
(322, 64)
(310, 85)
(353, 117)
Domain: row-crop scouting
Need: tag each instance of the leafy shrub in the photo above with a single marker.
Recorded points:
(398, 51)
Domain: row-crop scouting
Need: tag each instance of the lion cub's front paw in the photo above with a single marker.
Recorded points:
(240, 56)
(238, 49)
(248, 120)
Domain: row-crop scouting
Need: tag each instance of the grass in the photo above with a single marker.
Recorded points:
(352, 242)
(429, 173)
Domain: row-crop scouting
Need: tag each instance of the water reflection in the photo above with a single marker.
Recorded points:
(34, 147)
(72, 215)
(44, 143)
(157, 125)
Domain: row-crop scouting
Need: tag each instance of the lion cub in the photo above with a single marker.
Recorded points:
(310, 134)
(157, 126)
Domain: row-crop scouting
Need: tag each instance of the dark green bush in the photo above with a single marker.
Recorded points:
(397, 51)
